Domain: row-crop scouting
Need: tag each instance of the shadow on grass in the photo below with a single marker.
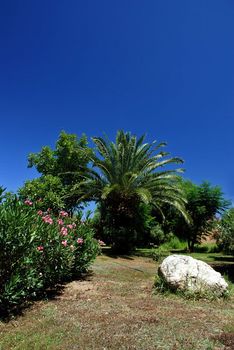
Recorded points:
(108, 252)
(117, 256)
(225, 269)
(12, 312)
(225, 258)
(52, 293)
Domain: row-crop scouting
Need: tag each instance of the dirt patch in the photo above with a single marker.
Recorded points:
(226, 339)
(78, 290)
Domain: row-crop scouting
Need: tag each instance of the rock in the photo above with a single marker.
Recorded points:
(184, 273)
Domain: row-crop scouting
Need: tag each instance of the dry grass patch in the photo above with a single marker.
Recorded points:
(115, 308)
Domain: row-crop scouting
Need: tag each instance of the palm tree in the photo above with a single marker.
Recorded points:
(126, 173)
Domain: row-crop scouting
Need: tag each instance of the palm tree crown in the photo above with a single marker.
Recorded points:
(131, 167)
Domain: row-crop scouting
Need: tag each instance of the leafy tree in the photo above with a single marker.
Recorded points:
(60, 169)
(203, 203)
(226, 238)
(2, 190)
(125, 175)
(46, 191)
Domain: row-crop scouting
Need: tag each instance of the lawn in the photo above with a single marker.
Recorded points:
(115, 308)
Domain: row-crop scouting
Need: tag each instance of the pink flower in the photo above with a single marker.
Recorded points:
(63, 231)
(80, 241)
(101, 242)
(60, 221)
(47, 219)
(28, 202)
(74, 225)
(40, 212)
(49, 210)
(64, 243)
(40, 248)
(63, 213)
(70, 226)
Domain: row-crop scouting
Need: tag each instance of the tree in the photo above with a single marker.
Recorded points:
(226, 226)
(204, 202)
(2, 190)
(47, 191)
(60, 169)
(125, 175)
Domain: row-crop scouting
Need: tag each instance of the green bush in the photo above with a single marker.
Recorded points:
(173, 243)
(159, 254)
(206, 248)
(226, 237)
(157, 235)
(39, 250)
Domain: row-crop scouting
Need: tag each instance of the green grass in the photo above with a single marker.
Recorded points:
(206, 255)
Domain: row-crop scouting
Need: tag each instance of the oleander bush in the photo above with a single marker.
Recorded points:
(39, 250)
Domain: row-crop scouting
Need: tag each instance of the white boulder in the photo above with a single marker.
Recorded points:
(181, 272)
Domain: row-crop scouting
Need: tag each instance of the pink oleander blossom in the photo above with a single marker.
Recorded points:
(63, 231)
(40, 212)
(80, 241)
(28, 202)
(40, 248)
(74, 225)
(63, 213)
(64, 243)
(101, 242)
(70, 226)
(60, 222)
(47, 219)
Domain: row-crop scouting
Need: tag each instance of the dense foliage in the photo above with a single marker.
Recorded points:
(39, 250)
(126, 175)
(203, 202)
(226, 228)
(60, 170)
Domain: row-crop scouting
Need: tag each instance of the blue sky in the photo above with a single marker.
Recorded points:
(164, 68)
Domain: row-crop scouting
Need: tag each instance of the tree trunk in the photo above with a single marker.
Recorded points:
(191, 244)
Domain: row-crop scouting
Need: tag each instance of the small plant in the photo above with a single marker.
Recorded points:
(160, 285)
(159, 254)
(173, 243)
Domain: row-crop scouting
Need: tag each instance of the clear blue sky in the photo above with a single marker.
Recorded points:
(161, 67)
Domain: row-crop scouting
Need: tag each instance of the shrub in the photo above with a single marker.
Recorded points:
(226, 237)
(87, 248)
(159, 254)
(157, 235)
(39, 250)
(173, 243)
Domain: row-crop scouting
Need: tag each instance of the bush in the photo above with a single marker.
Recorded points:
(226, 237)
(39, 250)
(157, 235)
(206, 248)
(173, 243)
(226, 240)
(159, 254)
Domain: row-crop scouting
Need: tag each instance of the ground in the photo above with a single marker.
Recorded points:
(115, 308)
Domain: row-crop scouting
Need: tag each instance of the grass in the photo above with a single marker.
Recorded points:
(115, 308)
